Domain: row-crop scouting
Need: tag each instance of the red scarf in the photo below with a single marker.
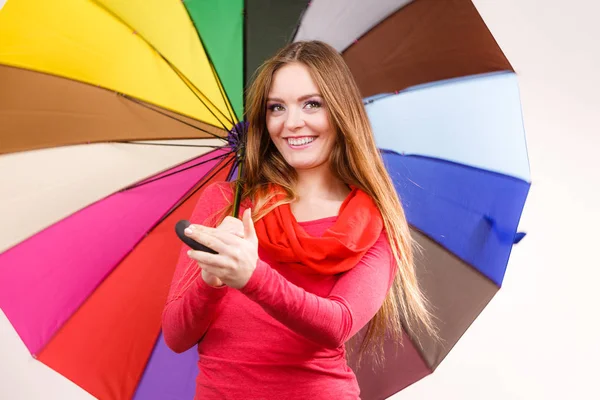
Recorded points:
(357, 228)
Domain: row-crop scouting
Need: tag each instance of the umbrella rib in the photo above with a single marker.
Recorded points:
(206, 146)
(230, 174)
(183, 78)
(160, 111)
(174, 172)
(244, 46)
(221, 89)
(193, 89)
(295, 32)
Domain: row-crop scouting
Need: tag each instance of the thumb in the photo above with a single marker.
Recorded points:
(249, 232)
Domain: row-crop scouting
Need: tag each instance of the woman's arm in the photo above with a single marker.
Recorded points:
(330, 321)
(192, 304)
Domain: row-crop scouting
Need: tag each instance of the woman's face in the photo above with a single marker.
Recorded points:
(297, 119)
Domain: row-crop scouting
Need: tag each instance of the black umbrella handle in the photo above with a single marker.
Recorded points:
(180, 228)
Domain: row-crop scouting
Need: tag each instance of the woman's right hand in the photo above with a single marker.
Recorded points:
(231, 225)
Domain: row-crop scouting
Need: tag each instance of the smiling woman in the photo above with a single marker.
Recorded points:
(299, 125)
(323, 250)
(298, 120)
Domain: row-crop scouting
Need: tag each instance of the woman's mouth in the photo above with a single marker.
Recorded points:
(300, 142)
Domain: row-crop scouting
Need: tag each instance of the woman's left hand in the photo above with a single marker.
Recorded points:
(237, 257)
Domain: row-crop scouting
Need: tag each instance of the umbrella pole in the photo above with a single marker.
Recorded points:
(238, 186)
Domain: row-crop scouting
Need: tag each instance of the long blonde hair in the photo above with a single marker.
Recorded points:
(355, 160)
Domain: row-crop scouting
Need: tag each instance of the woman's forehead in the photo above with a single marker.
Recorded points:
(293, 81)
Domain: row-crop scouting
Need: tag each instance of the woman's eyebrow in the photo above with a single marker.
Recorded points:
(301, 98)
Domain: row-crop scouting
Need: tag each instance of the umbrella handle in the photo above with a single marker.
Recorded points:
(180, 228)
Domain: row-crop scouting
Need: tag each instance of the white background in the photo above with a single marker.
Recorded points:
(538, 338)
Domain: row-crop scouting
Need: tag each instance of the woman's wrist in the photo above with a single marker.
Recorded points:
(257, 278)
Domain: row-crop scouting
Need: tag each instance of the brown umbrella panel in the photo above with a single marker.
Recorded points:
(393, 45)
(39, 110)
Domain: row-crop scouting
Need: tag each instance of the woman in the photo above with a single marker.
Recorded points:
(323, 247)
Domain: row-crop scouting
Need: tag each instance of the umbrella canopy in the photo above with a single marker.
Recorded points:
(115, 115)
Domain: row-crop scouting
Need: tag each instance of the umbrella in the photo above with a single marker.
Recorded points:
(115, 115)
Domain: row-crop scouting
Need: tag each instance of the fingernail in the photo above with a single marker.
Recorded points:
(189, 230)
(189, 252)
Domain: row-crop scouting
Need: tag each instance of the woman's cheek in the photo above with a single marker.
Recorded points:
(273, 126)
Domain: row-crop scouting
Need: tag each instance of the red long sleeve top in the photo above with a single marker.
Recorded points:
(281, 336)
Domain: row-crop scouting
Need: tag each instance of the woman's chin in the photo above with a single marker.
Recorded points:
(305, 165)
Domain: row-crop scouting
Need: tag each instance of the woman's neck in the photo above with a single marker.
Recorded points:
(320, 183)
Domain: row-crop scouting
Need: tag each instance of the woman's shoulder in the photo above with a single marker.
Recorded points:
(223, 191)
(218, 191)
(214, 197)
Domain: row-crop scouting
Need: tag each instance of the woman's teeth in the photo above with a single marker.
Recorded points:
(300, 141)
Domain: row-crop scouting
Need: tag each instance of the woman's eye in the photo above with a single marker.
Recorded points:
(275, 107)
(313, 104)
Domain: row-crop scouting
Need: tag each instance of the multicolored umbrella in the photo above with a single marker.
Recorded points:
(115, 115)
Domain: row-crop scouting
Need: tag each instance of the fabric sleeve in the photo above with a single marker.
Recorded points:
(328, 321)
(192, 304)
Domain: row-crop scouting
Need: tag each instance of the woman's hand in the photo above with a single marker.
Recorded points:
(237, 256)
(231, 225)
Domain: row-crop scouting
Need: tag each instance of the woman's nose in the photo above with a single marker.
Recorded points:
(294, 119)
